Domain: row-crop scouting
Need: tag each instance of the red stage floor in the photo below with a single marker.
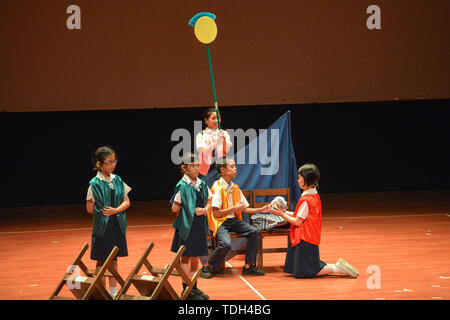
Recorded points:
(405, 236)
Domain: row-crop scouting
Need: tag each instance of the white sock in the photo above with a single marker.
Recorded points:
(112, 290)
(335, 268)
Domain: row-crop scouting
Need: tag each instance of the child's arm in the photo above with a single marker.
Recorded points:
(176, 203)
(227, 143)
(224, 148)
(295, 221)
(109, 211)
(204, 148)
(176, 207)
(90, 201)
(219, 213)
(266, 208)
(90, 206)
(224, 143)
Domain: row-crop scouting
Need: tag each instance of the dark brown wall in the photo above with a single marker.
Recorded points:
(142, 54)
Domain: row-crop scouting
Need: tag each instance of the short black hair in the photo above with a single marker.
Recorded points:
(208, 112)
(222, 163)
(187, 158)
(101, 154)
(310, 173)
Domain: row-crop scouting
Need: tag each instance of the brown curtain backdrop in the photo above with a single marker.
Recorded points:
(142, 53)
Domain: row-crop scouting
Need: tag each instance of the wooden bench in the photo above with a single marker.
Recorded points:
(252, 195)
(262, 250)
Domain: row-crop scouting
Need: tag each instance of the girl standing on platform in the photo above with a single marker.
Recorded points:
(107, 199)
(191, 203)
(302, 256)
(211, 139)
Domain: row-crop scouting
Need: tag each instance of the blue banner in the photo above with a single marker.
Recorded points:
(267, 161)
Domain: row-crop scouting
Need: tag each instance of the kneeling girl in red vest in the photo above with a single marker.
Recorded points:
(302, 256)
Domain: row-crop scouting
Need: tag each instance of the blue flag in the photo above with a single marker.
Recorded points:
(268, 161)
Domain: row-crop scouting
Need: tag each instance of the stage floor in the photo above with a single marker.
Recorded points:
(403, 235)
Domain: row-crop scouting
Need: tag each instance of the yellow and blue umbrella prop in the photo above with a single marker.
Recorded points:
(205, 30)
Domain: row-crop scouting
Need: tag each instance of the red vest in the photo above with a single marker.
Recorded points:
(310, 228)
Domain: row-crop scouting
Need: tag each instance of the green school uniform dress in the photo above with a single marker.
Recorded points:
(108, 232)
(191, 230)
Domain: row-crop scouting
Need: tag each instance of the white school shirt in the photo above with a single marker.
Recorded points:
(208, 137)
(217, 199)
(90, 195)
(196, 185)
(303, 211)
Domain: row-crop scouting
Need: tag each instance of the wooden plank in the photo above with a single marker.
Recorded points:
(133, 297)
(161, 271)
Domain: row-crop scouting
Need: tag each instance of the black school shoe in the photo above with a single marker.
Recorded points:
(200, 293)
(206, 272)
(194, 295)
(252, 271)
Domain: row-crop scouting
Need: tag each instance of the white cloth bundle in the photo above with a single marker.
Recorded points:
(279, 203)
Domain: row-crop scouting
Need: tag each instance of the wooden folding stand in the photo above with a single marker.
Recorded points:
(156, 286)
(88, 287)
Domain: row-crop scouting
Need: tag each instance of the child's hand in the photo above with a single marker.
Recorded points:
(266, 208)
(277, 212)
(108, 211)
(220, 137)
(200, 211)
